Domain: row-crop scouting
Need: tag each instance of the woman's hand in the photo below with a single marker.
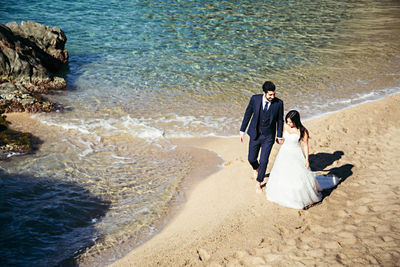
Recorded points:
(307, 164)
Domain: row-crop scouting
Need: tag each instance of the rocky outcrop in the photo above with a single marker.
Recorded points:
(50, 40)
(31, 55)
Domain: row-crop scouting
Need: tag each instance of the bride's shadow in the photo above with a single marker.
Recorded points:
(321, 161)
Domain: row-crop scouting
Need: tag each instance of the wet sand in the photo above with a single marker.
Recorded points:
(204, 162)
(225, 223)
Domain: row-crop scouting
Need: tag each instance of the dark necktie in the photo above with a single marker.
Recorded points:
(266, 107)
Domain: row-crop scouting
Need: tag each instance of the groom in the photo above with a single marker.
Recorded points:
(266, 114)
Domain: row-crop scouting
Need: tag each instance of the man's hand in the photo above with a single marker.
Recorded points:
(279, 140)
(241, 137)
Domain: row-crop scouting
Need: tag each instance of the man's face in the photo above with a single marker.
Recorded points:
(269, 95)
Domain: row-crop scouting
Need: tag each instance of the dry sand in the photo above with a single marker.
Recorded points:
(225, 223)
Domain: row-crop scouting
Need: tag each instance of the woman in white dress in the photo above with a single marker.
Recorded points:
(291, 182)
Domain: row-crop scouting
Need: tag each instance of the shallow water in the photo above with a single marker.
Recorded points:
(141, 73)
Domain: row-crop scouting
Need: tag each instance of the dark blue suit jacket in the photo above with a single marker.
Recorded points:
(253, 112)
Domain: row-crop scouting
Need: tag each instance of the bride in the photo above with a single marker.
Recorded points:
(291, 182)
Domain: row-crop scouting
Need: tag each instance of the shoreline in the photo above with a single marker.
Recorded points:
(217, 230)
(200, 158)
(351, 106)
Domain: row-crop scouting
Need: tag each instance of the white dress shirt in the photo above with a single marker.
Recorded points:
(265, 101)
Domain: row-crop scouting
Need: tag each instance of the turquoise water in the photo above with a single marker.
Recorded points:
(143, 72)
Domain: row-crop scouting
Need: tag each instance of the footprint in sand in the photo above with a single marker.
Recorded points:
(232, 263)
(347, 238)
(228, 163)
(203, 254)
(381, 228)
(350, 228)
(362, 210)
(318, 229)
(260, 251)
(252, 261)
(342, 213)
(240, 254)
(331, 245)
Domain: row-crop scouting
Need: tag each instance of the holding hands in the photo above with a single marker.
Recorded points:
(280, 141)
(307, 164)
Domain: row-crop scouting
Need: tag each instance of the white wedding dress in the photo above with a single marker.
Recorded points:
(290, 183)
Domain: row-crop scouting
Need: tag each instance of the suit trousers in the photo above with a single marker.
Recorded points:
(264, 143)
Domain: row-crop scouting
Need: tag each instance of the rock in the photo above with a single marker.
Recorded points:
(50, 40)
(31, 54)
(15, 98)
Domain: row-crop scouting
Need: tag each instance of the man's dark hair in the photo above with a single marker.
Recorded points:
(268, 86)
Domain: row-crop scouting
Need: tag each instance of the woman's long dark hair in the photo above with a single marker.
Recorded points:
(294, 116)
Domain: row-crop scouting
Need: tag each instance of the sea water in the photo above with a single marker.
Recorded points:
(144, 72)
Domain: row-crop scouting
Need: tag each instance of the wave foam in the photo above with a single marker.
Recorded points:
(171, 126)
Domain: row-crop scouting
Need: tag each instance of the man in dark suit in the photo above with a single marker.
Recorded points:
(266, 114)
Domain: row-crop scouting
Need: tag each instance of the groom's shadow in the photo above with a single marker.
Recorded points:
(319, 161)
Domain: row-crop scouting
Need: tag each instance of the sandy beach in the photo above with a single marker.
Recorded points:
(225, 223)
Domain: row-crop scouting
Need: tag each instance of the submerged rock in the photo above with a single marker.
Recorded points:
(12, 142)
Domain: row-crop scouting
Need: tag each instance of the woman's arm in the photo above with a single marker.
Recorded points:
(305, 149)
